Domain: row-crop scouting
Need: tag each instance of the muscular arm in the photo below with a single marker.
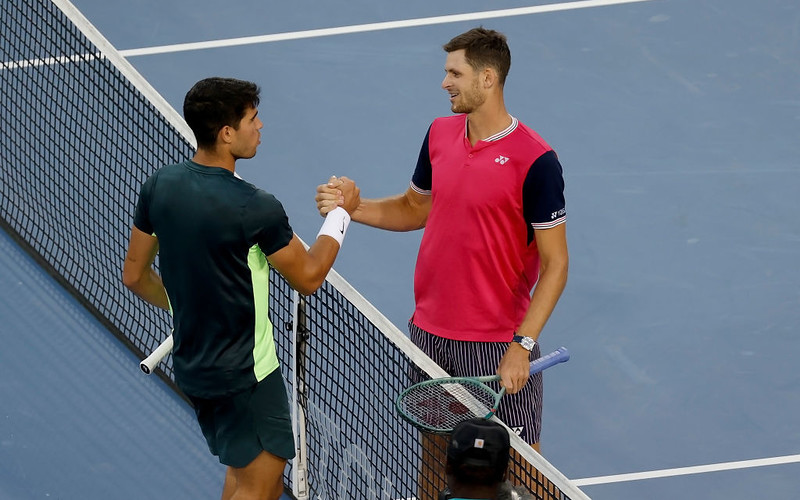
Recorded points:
(138, 274)
(402, 212)
(553, 268)
(305, 270)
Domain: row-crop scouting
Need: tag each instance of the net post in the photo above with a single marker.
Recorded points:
(298, 351)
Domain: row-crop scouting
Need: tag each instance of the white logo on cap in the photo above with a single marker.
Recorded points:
(478, 443)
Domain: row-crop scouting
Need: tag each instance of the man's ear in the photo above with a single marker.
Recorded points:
(489, 77)
(225, 134)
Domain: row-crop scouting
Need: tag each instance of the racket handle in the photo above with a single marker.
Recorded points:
(149, 363)
(558, 356)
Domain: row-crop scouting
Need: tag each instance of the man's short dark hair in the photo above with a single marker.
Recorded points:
(483, 48)
(216, 102)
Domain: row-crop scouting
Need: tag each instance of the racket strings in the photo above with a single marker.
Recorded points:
(441, 406)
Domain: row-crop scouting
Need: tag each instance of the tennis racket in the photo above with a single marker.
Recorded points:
(149, 363)
(439, 404)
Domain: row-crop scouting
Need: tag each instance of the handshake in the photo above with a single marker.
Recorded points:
(337, 192)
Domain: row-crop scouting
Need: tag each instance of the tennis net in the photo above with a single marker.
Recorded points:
(94, 130)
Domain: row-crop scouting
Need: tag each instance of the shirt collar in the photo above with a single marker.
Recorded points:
(497, 136)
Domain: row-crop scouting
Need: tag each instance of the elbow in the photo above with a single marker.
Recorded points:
(128, 281)
(557, 267)
(305, 290)
(131, 280)
(308, 287)
(562, 268)
(131, 285)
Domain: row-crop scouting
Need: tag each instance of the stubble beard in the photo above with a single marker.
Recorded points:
(469, 101)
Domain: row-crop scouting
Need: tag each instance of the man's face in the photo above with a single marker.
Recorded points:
(461, 81)
(248, 136)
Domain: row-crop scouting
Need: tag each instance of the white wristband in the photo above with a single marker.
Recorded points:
(335, 224)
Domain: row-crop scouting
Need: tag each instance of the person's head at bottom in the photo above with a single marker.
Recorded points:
(477, 460)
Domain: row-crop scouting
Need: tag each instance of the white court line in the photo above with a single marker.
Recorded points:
(684, 471)
(360, 28)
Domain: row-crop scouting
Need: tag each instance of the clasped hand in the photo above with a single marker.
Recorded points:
(337, 192)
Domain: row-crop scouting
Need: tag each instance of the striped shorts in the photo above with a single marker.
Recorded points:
(521, 412)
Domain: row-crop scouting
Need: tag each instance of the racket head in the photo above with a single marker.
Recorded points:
(438, 405)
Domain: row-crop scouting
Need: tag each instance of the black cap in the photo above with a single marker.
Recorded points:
(479, 443)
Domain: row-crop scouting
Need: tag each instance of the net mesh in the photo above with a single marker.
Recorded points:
(80, 138)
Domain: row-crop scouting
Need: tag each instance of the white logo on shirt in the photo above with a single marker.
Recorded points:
(501, 160)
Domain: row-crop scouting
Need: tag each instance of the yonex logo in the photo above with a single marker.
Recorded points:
(501, 160)
(518, 430)
(558, 214)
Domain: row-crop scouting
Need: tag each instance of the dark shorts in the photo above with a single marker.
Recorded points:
(239, 427)
(521, 412)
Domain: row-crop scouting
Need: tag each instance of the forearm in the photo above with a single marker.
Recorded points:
(513, 367)
(393, 213)
(305, 269)
(552, 281)
(318, 262)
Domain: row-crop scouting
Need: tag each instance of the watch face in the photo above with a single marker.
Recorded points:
(525, 342)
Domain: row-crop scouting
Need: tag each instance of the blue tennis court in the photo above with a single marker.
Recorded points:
(79, 420)
(678, 125)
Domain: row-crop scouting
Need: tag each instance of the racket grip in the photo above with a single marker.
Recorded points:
(560, 355)
(149, 363)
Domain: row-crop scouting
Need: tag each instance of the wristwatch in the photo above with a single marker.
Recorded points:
(526, 342)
